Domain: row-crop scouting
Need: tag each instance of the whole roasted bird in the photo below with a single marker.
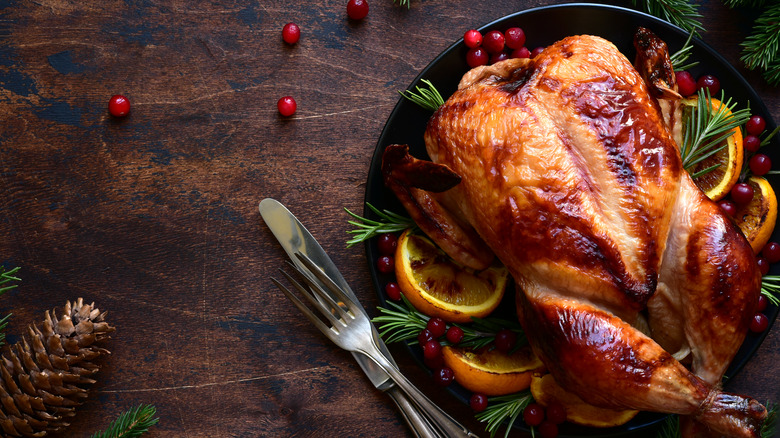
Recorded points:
(634, 288)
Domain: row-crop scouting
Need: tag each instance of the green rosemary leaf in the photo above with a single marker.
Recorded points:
(680, 57)
(367, 228)
(504, 408)
(428, 98)
(768, 137)
(131, 423)
(770, 287)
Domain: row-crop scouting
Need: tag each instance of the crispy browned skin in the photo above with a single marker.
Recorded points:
(569, 174)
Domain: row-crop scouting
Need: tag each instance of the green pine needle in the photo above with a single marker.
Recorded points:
(750, 3)
(770, 424)
(8, 277)
(670, 428)
(428, 98)
(368, 228)
(504, 408)
(679, 12)
(131, 423)
(403, 3)
(706, 130)
(760, 49)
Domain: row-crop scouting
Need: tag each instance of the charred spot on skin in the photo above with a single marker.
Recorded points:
(517, 79)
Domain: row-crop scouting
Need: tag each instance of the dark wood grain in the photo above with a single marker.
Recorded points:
(154, 217)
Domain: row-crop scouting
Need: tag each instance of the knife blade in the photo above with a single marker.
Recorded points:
(294, 237)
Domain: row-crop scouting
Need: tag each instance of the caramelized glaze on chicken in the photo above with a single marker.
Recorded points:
(633, 287)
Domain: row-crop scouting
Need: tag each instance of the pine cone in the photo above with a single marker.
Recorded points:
(45, 375)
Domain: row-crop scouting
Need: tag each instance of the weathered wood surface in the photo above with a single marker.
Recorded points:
(155, 218)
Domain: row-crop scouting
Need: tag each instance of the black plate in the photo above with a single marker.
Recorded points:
(544, 26)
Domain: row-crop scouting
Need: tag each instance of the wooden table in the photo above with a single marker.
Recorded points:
(154, 216)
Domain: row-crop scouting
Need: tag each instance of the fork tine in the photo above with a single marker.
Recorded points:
(306, 311)
(326, 312)
(333, 287)
(340, 308)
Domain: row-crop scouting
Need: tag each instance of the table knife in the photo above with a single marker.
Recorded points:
(294, 237)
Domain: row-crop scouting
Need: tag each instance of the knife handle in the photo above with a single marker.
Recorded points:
(416, 422)
(439, 419)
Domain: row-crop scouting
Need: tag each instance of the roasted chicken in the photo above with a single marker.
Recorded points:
(634, 288)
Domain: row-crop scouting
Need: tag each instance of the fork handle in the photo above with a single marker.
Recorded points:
(414, 419)
(434, 414)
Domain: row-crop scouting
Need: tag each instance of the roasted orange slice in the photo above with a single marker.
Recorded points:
(546, 391)
(436, 285)
(717, 183)
(492, 372)
(757, 218)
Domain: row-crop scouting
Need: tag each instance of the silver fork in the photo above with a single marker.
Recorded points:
(350, 329)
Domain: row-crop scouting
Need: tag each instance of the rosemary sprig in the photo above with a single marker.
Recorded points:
(503, 408)
(402, 323)
(680, 57)
(131, 423)
(770, 288)
(680, 12)
(428, 98)
(706, 130)
(368, 228)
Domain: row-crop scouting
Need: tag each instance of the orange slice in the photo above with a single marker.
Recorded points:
(492, 372)
(717, 183)
(547, 391)
(757, 218)
(436, 285)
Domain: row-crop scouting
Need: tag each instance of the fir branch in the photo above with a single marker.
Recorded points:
(503, 408)
(406, 3)
(760, 49)
(402, 323)
(670, 428)
(8, 277)
(428, 98)
(680, 57)
(751, 3)
(368, 228)
(707, 128)
(680, 12)
(770, 424)
(131, 423)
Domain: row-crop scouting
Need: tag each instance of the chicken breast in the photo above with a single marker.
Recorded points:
(634, 288)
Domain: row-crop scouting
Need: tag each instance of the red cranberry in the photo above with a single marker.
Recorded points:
(387, 243)
(710, 82)
(432, 349)
(287, 106)
(763, 302)
(755, 125)
(454, 334)
(535, 52)
(751, 143)
(291, 33)
(771, 252)
(424, 337)
(522, 52)
(759, 323)
(385, 265)
(686, 85)
(437, 326)
(533, 414)
(118, 106)
(393, 291)
(728, 207)
(496, 57)
(763, 265)
(548, 429)
(556, 413)
(472, 38)
(493, 41)
(478, 402)
(742, 193)
(476, 57)
(444, 376)
(760, 164)
(357, 9)
(505, 340)
(515, 38)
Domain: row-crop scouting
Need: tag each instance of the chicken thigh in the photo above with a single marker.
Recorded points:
(634, 288)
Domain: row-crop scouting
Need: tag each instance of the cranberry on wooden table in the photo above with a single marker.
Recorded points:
(357, 9)
(291, 33)
(287, 106)
(118, 106)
